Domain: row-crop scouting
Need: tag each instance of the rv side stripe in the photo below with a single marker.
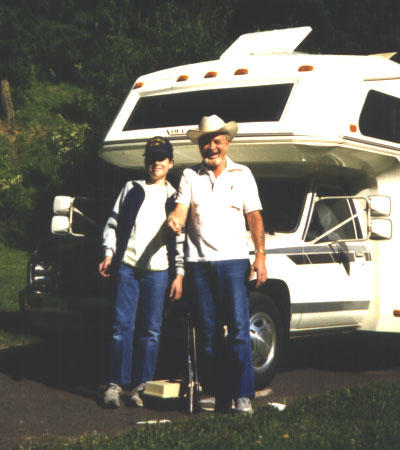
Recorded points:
(370, 143)
(324, 307)
(320, 255)
(322, 258)
(306, 249)
(183, 137)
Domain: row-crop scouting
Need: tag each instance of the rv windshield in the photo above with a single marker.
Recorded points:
(244, 104)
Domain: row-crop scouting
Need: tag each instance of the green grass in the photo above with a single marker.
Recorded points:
(12, 281)
(12, 277)
(365, 417)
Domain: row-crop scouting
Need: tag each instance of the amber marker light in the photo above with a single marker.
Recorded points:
(396, 313)
(242, 72)
(211, 74)
(138, 85)
(182, 78)
(306, 68)
(353, 128)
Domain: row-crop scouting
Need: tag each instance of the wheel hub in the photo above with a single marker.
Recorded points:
(263, 340)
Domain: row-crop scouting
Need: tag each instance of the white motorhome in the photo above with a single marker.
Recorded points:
(321, 134)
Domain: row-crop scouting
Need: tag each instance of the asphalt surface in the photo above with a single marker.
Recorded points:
(54, 390)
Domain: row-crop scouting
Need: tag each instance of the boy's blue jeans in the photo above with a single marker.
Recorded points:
(219, 291)
(139, 300)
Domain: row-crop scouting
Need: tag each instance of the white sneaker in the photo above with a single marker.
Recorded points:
(136, 399)
(243, 406)
(112, 396)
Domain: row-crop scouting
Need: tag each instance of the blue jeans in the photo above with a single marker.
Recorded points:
(219, 291)
(140, 299)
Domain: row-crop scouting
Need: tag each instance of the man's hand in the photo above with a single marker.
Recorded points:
(104, 267)
(175, 292)
(256, 225)
(177, 218)
(260, 268)
(174, 224)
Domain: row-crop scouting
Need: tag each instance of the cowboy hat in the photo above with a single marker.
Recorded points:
(212, 125)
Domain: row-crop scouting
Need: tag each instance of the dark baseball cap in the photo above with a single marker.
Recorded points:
(158, 147)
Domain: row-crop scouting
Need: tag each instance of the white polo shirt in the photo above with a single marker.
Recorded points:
(216, 227)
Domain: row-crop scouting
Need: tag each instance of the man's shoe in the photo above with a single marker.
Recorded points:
(243, 406)
(136, 396)
(112, 396)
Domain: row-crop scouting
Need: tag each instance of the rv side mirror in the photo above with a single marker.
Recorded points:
(60, 225)
(381, 229)
(62, 205)
(380, 205)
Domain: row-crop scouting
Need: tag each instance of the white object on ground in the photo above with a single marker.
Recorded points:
(278, 406)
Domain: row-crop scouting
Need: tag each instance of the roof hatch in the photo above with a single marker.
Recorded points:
(267, 43)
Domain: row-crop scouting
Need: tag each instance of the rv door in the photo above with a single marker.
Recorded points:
(337, 267)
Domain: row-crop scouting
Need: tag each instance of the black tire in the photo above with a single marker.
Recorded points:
(267, 338)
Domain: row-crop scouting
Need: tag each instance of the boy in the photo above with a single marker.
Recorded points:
(143, 253)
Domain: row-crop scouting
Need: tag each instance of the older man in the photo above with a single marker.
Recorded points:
(220, 196)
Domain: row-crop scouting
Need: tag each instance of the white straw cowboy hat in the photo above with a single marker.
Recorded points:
(213, 125)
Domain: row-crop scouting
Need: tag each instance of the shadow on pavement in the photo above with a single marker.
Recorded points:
(76, 357)
(77, 360)
(59, 358)
(351, 352)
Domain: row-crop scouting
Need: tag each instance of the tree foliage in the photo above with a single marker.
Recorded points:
(70, 63)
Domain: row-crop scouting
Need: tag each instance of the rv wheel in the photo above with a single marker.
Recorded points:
(266, 333)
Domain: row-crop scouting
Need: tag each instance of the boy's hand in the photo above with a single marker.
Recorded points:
(104, 267)
(175, 292)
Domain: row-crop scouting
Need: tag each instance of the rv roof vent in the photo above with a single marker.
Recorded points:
(385, 55)
(273, 42)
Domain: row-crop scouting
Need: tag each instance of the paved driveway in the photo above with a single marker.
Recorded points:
(52, 389)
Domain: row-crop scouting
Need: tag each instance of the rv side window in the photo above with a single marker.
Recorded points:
(380, 117)
(244, 104)
(327, 214)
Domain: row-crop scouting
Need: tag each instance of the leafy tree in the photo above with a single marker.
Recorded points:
(70, 64)
(15, 61)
